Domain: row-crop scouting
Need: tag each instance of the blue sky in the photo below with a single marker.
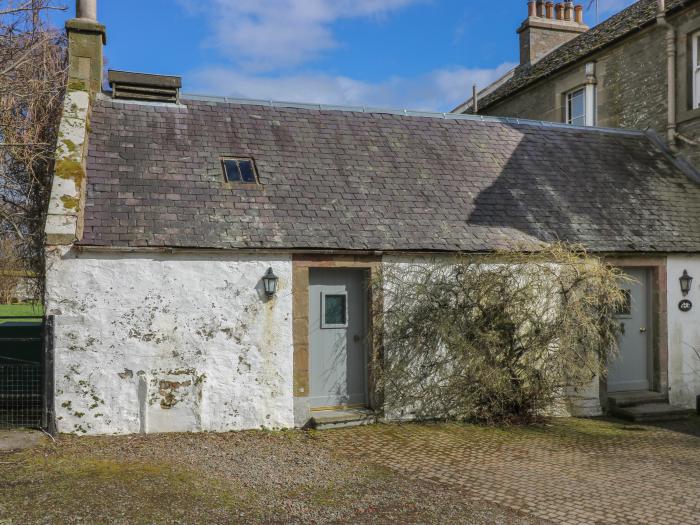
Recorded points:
(418, 54)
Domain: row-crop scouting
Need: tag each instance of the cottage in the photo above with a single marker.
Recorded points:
(171, 216)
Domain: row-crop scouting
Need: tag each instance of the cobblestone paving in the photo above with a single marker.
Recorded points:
(570, 472)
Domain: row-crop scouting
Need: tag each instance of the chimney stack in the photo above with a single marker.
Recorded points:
(65, 215)
(547, 27)
(86, 36)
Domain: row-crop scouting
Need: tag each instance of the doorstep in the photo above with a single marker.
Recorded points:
(630, 399)
(645, 406)
(341, 418)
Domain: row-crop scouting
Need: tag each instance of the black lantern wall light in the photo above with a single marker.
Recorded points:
(270, 283)
(686, 283)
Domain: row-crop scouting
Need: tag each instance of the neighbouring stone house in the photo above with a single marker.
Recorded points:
(168, 211)
(639, 69)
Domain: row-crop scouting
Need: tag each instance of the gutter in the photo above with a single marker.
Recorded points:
(173, 250)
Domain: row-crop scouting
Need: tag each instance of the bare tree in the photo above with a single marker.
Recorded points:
(32, 86)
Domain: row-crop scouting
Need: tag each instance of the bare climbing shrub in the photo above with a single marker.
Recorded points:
(492, 338)
(32, 86)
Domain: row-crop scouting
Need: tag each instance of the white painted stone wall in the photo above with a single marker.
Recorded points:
(683, 333)
(582, 401)
(170, 342)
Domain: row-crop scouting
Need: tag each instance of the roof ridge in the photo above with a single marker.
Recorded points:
(405, 112)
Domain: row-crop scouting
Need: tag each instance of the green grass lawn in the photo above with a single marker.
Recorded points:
(24, 312)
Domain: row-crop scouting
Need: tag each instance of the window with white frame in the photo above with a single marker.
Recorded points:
(695, 69)
(580, 106)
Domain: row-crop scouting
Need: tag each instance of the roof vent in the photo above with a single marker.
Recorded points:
(140, 86)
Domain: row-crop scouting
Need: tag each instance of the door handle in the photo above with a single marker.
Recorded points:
(356, 338)
(643, 330)
(622, 328)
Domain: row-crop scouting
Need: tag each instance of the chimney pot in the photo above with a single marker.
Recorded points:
(531, 8)
(560, 11)
(549, 6)
(579, 14)
(540, 8)
(569, 11)
(86, 9)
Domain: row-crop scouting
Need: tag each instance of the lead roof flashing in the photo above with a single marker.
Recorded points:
(403, 112)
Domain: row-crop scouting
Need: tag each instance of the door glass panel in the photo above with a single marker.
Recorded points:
(625, 308)
(335, 310)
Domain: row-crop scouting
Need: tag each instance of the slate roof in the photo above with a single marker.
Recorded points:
(617, 27)
(363, 180)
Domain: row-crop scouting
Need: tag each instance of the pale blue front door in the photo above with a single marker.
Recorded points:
(338, 320)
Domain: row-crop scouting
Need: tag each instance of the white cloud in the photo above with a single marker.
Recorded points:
(265, 35)
(439, 90)
(265, 47)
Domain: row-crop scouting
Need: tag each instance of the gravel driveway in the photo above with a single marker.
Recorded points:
(248, 477)
(569, 471)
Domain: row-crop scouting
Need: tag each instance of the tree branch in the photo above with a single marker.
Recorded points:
(22, 144)
(29, 7)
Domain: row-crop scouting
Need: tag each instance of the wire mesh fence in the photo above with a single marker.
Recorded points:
(20, 394)
(21, 373)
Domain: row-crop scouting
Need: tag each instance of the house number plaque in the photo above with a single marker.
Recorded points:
(685, 305)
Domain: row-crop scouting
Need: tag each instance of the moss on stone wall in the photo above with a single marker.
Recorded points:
(70, 145)
(70, 169)
(75, 84)
(70, 202)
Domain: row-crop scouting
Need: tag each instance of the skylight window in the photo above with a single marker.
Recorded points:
(240, 170)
